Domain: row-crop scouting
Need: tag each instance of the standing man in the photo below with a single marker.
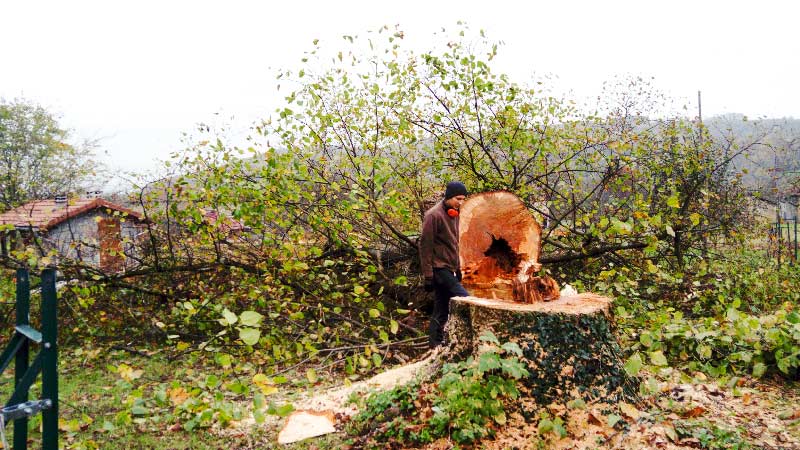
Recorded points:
(438, 250)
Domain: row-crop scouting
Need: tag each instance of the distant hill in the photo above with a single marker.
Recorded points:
(772, 161)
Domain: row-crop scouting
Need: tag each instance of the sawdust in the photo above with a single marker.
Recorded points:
(585, 303)
(337, 400)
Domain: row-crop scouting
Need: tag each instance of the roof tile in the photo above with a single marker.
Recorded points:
(44, 214)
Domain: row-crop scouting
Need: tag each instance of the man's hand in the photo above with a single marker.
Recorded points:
(428, 285)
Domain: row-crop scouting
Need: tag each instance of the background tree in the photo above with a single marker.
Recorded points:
(36, 158)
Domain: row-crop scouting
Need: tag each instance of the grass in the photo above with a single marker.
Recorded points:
(96, 404)
(101, 389)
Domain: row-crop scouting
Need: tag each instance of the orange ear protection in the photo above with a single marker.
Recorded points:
(452, 212)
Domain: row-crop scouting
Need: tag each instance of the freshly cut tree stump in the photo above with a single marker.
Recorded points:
(499, 249)
(568, 342)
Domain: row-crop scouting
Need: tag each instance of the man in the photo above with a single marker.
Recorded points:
(438, 250)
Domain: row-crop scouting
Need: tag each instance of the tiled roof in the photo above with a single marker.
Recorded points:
(226, 224)
(45, 214)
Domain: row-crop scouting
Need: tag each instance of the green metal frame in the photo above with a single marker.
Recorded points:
(18, 408)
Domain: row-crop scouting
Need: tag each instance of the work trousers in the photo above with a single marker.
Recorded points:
(445, 285)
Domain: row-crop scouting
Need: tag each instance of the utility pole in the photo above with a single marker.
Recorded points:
(708, 173)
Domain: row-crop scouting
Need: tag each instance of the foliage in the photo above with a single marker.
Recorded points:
(36, 159)
(729, 316)
(316, 231)
(7, 294)
(739, 343)
(466, 401)
(712, 436)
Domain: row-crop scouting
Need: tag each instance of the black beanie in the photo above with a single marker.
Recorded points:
(454, 188)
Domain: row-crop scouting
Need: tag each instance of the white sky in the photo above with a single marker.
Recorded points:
(138, 74)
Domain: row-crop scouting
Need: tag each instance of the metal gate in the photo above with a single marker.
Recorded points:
(18, 408)
(783, 241)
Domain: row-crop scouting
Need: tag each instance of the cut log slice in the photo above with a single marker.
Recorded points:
(499, 244)
(568, 344)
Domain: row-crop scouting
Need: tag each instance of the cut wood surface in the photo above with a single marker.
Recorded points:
(499, 248)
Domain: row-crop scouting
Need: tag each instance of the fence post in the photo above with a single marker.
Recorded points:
(49, 359)
(780, 237)
(22, 356)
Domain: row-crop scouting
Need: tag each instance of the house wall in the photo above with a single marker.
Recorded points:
(78, 238)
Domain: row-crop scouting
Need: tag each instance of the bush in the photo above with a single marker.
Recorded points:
(737, 343)
(465, 403)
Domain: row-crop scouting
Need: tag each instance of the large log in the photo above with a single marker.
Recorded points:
(499, 249)
(568, 342)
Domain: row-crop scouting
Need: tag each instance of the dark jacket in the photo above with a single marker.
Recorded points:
(438, 244)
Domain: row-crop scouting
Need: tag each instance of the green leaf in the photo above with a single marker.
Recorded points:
(259, 401)
(657, 358)
(545, 425)
(223, 359)
(577, 403)
(394, 326)
(249, 336)
(633, 365)
(488, 361)
(281, 411)
(673, 201)
(374, 313)
(558, 427)
(311, 376)
(250, 318)
(488, 336)
(212, 381)
(512, 347)
(695, 218)
(613, 419)
(259, 417)
(228, 317)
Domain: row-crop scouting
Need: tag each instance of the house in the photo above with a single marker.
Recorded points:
(89, 230)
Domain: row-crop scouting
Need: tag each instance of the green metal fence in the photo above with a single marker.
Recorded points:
(783, 241)
(18, 408)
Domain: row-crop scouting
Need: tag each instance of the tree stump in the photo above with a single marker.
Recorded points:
(568, 342)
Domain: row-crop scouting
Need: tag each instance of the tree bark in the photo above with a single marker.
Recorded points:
(568, 345)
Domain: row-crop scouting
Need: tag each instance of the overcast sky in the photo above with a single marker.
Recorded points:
(137, 74)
